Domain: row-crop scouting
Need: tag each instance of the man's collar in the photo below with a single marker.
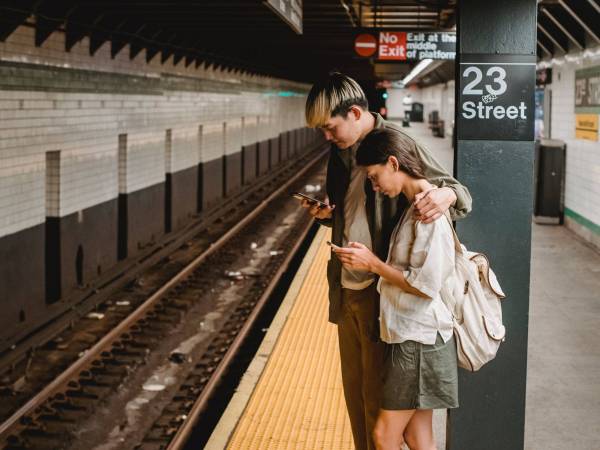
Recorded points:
(379, 122)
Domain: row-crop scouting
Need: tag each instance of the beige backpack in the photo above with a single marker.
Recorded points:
(475, 305)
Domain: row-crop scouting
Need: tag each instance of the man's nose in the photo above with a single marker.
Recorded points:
(328, 135)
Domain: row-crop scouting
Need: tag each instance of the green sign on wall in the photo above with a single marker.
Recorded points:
(587, 91)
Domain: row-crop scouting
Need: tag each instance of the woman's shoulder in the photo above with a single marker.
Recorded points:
(439, 225)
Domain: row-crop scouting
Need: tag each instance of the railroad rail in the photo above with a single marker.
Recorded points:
(54, 408)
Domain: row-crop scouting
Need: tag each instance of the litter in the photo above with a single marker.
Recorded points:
(234, 275)
(95, 315)
(153, 387)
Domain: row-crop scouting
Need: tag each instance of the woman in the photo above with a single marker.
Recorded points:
(420, 369)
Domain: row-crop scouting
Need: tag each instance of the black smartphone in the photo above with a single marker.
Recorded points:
(332, 245)
(311, 200)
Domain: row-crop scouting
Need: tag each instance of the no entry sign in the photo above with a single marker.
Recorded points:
(496, 97)
(365, 44)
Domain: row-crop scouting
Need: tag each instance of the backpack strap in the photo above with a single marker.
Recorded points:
(457, 245)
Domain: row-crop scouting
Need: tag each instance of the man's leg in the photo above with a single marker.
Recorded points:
(361, 359)
(350, 356)
(371, 357)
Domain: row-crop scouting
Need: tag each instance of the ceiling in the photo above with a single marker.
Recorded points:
(249, 36)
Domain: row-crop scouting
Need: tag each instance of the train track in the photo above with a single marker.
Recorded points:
(47, 419)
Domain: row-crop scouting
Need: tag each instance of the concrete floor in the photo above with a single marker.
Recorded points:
(563, 363)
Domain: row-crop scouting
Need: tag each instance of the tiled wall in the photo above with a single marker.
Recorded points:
(85, 127)
(438, 97)
(582, 190)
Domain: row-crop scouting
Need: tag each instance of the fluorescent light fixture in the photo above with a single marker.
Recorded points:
(417, 70)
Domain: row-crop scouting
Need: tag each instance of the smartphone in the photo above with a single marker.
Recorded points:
(332, 245)
(311, 200)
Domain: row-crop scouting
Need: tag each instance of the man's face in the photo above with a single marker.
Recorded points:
(343, 132)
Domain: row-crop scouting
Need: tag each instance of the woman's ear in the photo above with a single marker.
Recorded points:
(394, 163)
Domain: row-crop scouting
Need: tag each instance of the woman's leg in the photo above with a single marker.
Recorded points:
(418, 434)
(389, 428)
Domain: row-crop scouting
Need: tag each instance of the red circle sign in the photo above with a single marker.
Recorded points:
(365, 44)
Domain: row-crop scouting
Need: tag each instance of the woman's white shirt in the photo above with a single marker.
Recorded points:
(429, 268)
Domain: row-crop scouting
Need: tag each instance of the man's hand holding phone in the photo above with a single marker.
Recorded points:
(316, 208)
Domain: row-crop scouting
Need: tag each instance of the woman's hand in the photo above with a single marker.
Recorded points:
(358, 257)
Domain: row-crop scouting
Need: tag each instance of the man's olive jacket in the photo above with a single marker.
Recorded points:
(383, 212)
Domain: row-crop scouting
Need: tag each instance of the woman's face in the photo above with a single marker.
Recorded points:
(386, 178)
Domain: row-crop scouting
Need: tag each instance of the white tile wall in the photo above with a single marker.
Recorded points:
(250, 130)
(233, 135)
(582, 189)
(213, 140)
(438, 97)
(85, 127)
(186, 148)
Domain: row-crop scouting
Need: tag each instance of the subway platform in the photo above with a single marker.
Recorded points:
(291, 395)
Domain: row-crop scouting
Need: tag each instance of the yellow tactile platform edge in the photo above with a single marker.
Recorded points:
(298, 402)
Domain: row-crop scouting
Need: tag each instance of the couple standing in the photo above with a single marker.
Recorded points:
(393, 255)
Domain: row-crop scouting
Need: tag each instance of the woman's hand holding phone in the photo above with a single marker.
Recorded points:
(357, 256)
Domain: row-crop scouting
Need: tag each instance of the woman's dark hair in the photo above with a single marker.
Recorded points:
(382, 143)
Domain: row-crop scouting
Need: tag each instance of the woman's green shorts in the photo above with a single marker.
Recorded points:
(420, 376)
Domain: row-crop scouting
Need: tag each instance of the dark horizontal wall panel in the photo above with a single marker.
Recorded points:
(33, 77)
(274, 155)
(249, 163)
(283, 146)
(212, 182)
(184, 187)
(93, 234)
(263, 157)
(145, 217)
(299, 143)
(291, 143)
(21, 279)
(233, 172)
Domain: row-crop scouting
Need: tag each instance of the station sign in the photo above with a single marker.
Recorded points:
(290, 11)
(587, 90)
(496, 97)
(406, 46)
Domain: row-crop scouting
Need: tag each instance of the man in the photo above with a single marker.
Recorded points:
(338, 106)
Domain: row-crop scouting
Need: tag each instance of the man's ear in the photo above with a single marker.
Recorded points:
(356, 111)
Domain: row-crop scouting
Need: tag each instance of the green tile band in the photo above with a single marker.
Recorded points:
(582, 220)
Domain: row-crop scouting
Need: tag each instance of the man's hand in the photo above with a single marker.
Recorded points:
(318, 212)
(357, 256)
(431, 204)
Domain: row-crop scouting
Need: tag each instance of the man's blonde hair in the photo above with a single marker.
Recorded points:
(333, 96)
